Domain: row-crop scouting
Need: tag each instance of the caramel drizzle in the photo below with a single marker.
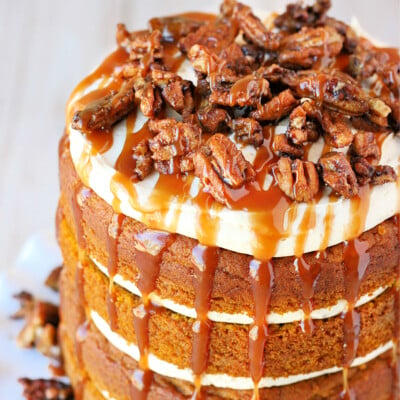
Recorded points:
(205, 261)
(262, 281)
(356, 260)
(309, 274)
(150, 246)
(113, 234)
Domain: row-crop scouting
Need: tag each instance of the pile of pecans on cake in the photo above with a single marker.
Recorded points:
(306, 66)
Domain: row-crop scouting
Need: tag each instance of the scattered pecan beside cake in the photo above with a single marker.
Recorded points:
(229, 212)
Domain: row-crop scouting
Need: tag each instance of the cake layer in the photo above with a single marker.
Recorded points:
(96, 366)
(171, 336)
(231, 296)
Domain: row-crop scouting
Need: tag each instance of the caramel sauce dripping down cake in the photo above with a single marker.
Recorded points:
(229, 212)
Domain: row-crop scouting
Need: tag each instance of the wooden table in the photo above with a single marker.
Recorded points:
(47, 46)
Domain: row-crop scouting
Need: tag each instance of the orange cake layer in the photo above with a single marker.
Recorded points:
(92, 362)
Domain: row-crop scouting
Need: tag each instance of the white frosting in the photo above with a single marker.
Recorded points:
(218, 380)
(241, 318)
(235, 229)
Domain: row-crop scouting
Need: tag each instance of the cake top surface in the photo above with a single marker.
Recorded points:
(270, 138)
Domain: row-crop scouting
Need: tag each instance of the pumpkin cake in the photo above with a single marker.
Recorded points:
(228, 214)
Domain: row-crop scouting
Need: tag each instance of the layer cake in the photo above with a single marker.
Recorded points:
(229, 212)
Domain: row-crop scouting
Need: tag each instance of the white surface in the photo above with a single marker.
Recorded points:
(38, 257)
(47, 46)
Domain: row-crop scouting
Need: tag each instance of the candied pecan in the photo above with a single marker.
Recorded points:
(337, 132)
(203, 60)
(101, 114)
(363, 169)
(221, 162)
(378, 112)
(214, 35)
(230, 90)
(143, 163)
(213, 119)
(41, 322)
(46, 389)
(177, 92)
(337, 173)
(336, 91)
(277, 108)
(149, 97)
(364, 145)
(284, 146)
(366, 60)
(175, 27)
(350, 37)
(304, 48)
(297, 16)
(276, 74)
(248, 130)
(254, 30)
(300, 130)
(53, 279)
(174, 145)
(297, 179)
(140, 44)
(383, 174)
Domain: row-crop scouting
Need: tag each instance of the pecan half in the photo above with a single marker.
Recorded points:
(219, 163)
(350, 37)
(336, 127)
(285, 147)
(336, 91)
(376, 175)
(304, 48)
(174, 145)
(149, 97)
(177, 92)
(213, 119)
(296, 15)
(143, 163)
(254, 30)
(203, 60)
(230, 90)
(300, 130)
(46, 389)
(102, 114)
(248, 130)
(214, 36)
(174, 28)
(277, 108)
(297, 179)
(337, 173)
(140, 43)
(364, 145)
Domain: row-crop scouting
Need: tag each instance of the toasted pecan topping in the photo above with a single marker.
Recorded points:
(219, 163)
(337, 173)
(297, 179)
(334, 86)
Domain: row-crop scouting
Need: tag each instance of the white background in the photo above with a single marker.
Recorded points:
(46, 47)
